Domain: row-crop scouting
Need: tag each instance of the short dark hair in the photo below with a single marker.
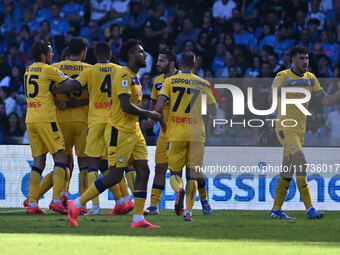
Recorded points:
(102, 50)
(77, 45)
(65, 53)
(188, 59)
(126, 48)
(38, 48)
(169, 54)
(299, 50)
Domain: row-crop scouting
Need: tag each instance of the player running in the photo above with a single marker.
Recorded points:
(292, 138)
(185, 129)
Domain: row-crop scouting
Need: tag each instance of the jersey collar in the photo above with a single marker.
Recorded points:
(130, 68)
(295, 72)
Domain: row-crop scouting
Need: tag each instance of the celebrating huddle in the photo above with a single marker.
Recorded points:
(97, 109)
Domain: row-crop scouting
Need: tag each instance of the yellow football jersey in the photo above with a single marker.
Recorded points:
(99, 81)
(72, 68)
(306, 81)
(156, 89)
(126, 82)
(38, 79)
(184, 92)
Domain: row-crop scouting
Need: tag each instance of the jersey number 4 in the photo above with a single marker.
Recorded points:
(31, 81)
(106, 85)
(181, 91)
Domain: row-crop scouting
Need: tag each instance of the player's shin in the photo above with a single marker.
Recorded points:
(190, 193)
(130, 175)
(92, 176)
(93, 191)
(59, 174)
(82, 180)
(45, 184)
(34, 184)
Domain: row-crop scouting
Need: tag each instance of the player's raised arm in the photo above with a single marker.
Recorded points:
(328, 99)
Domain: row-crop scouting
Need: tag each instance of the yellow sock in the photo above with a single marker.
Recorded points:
(92, 176)
(140, 197)
(202, 191)
(115, 189)
(130, 177)
(123, 188)
(45, 184)
(34, 184)
(82, 180)
(59, 174)
(190, 194)
(93, 191)
(176, 182)
(67, 179)
(156, 194)
(303, 187)
(282, 187)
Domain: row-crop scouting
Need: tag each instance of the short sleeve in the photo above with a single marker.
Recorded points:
(317, 87)
(155, 90)
(277, 82)
(83, 78)
(123, 84)
(56, 75)
(165, 91)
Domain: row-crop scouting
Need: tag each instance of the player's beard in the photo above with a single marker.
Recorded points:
(165, 70)
(142, 63)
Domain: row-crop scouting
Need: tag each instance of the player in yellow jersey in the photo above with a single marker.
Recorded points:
(72, 116)
(166, 67)
(123, 136)
(185, 129)
(99, 80)
(42, 127)
(292, 138)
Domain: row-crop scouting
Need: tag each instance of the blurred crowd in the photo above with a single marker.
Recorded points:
(232, 39)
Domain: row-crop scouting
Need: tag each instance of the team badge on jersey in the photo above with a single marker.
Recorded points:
(158, 86)
(124, 84)
(120, 159)
(62, 74)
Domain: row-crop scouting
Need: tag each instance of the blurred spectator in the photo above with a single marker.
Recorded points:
(28, 20)
(15, 57)
(218, 61)
(300, 22)
(204, 47)
(254, 70)
(222, 10)
(313, 30)
(134, 20)
(329, 48)
(146, 84)
(59, 26)
(3, 119)
(332, 129)
(100, 10)
(229, 60)
(119, 9)
(241, 57)
(73, 12)
(324, 64)
(13, 134)
(229, 42)
(40, 12)
(16, 84)
(44, 32)
(262, 32)
(189, 33)
(334, 14)
(279, 41)
(92, 31)
(250, 12)
(315, 13)
(266, 70)
(305, 39)
(242, 36)
(115, 40)
(198, 70)
(274, 63)
(209, 73)
(207, 25)
(22, 118)
(286, 60)
(155, 29)
(9, 101)
(24, 40)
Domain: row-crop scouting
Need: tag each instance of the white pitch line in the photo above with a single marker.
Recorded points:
(10, 211)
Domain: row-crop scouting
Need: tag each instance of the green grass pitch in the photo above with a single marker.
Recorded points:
(226, 232)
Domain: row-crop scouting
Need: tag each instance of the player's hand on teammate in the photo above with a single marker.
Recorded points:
(163, 125)
(150, 123)
(60, 104)
(156, 116)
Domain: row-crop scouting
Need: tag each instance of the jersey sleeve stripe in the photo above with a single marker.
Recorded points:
(164, 96)
(63, 81)
(124, 94)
